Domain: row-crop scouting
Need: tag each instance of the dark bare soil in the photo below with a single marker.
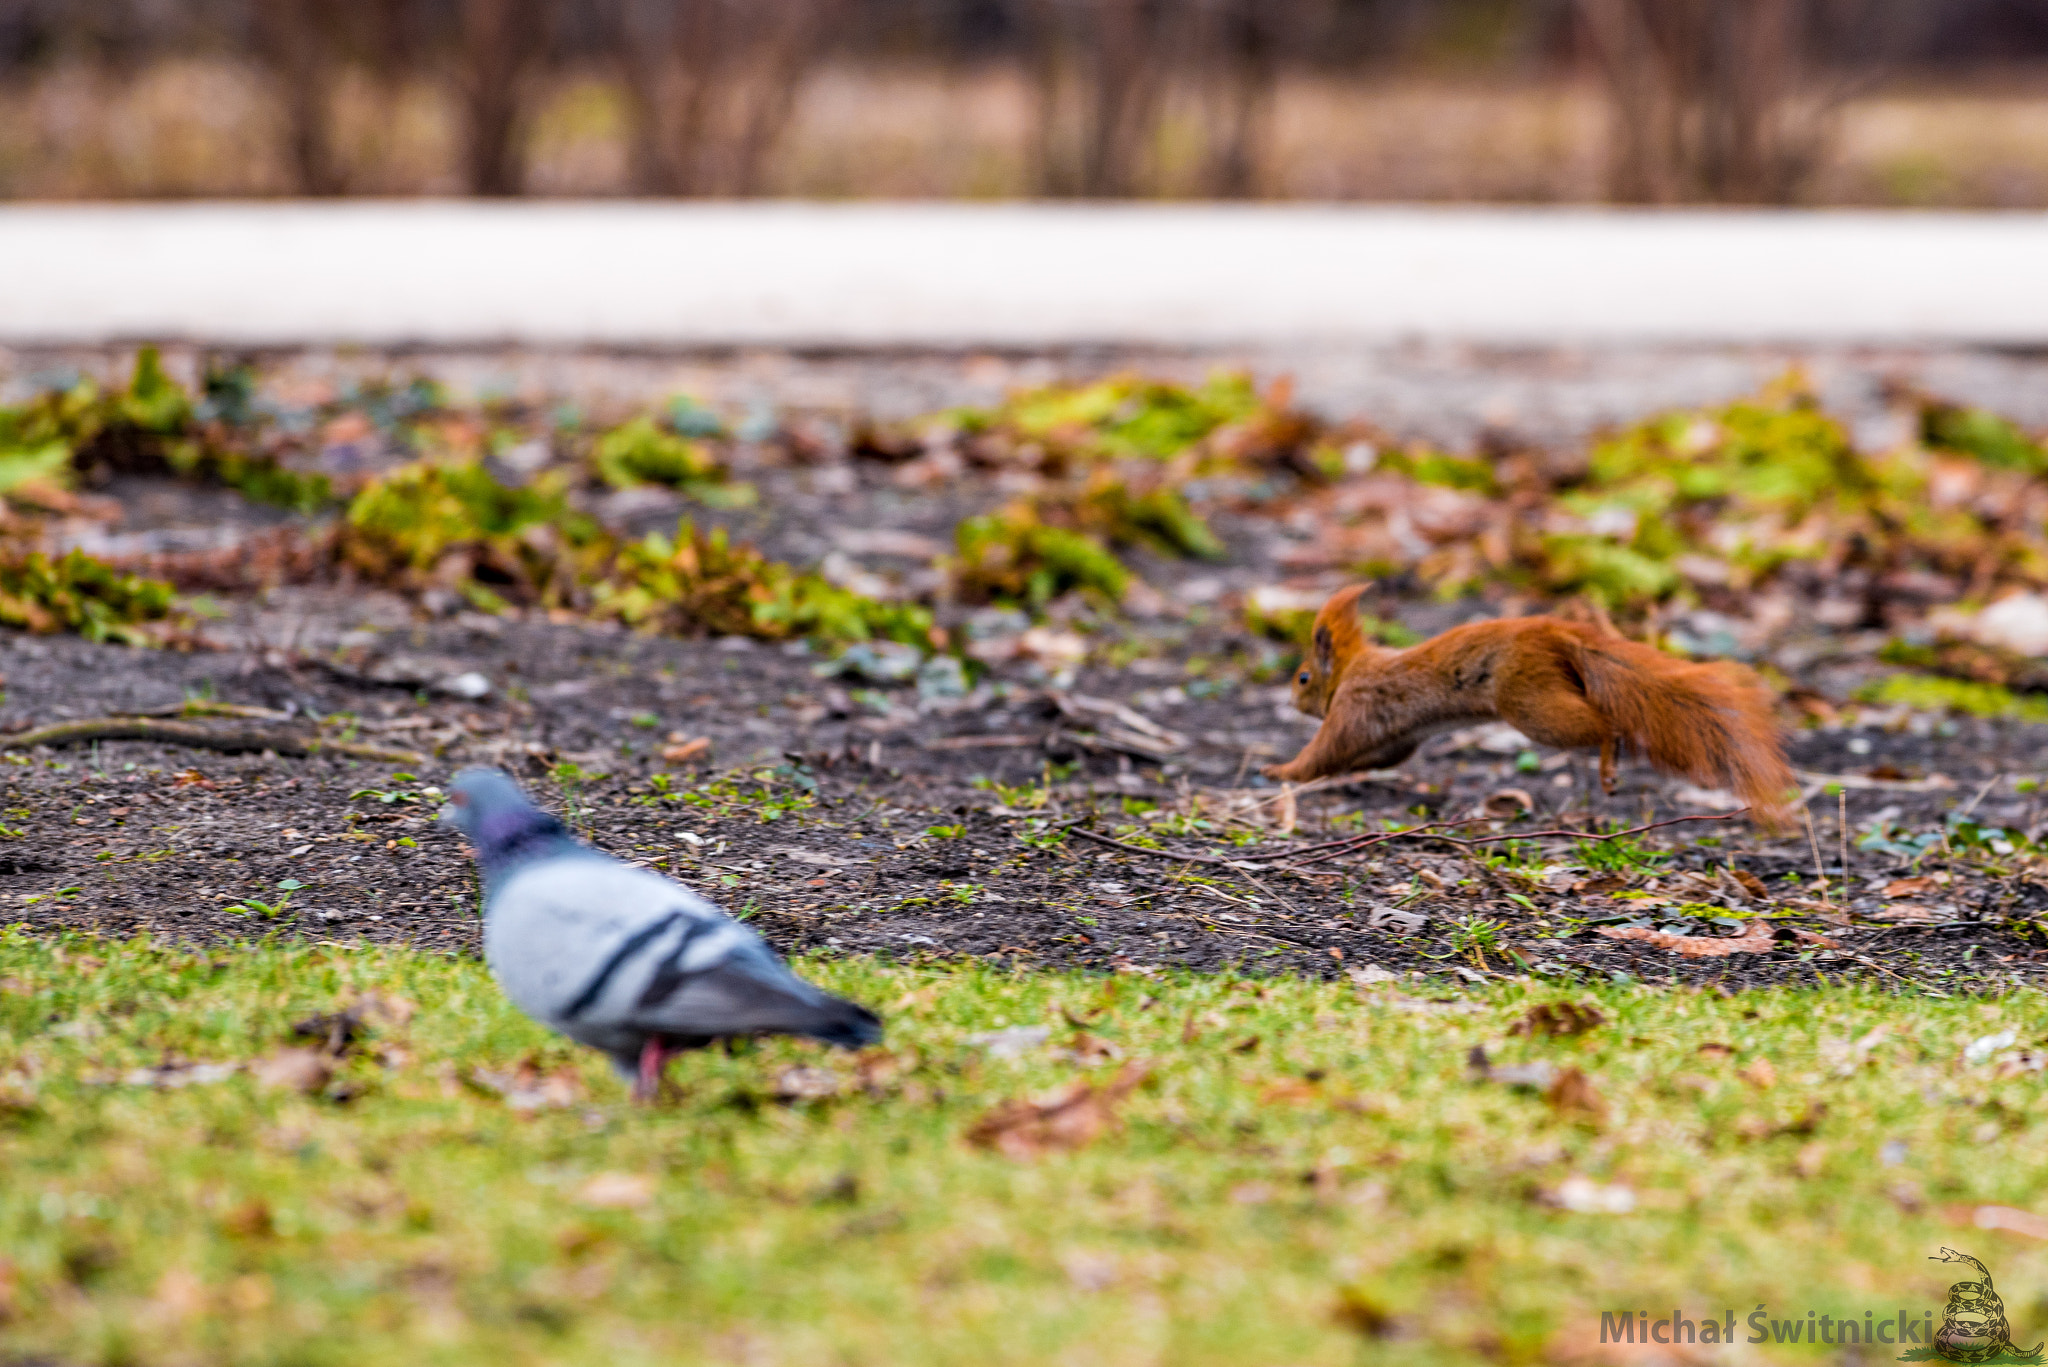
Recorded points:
(851, 818)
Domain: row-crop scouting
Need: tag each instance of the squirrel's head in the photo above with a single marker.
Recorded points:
(1334, 643)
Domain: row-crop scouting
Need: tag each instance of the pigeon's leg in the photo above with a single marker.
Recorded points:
(653, 1059)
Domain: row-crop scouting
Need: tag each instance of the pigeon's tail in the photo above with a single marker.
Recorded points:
(846, 1024)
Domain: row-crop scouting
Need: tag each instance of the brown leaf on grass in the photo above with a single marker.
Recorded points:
(298, 1070)
(10, 1289)
(526, 1089)
(1246, 1045)
(803, 1083)
(1071, 1118)
(1911, 887)
(1361, 1313)
(1714, 1049)
(617, 1191)
(1085, 1048)
(249, 1220)
(1559, 1019)
(1605, 882)
(1572, 1096)
(1289, 1090)
(1757, 939)
(1810, 937)
(13, 987)
(2010, 1219)
(1760, 1075)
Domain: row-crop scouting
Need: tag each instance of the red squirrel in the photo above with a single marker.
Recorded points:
(1559, 683)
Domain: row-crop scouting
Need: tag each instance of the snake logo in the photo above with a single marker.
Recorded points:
(1974, 1328)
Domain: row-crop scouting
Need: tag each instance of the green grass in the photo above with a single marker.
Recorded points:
(1302, 1149)
(1932, 693)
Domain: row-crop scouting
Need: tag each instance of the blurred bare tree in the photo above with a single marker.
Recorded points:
(1101, 69)
(1733, 101)
(712, 84)
(307, 46)
(501, 48)
(1243, 47)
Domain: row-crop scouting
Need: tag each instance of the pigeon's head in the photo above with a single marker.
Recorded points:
(492, 814)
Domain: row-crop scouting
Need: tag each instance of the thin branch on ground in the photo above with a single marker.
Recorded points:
(229, 740)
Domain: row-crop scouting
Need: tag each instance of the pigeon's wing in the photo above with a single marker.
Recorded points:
(717, 983)
(563, 934)
(599, 949)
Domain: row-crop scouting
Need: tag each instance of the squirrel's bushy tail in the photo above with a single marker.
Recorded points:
(1710, 723)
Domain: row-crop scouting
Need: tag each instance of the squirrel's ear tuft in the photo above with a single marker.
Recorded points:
(1337, 636)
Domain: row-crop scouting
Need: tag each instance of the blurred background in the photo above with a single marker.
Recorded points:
(1815, 102)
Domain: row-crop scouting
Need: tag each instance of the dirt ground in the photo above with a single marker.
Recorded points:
(858, 814)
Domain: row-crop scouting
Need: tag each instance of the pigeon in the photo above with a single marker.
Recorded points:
(621, 958)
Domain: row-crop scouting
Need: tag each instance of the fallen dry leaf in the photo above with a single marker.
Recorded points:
(617, 1191)
(685, 752)
(1760, 1075)
(802, 1083)
(1906, 913)
(249, 1220)
(1583, 1196)
(525, 1088)
(1749, 883)
(1070, 1118)
(1912, 887)
(13, 987)
(1085, 1048)
(1757, 939)
(297, 1070)
(1504, 803)
(1558, 1018)
(1714, 1049)
(1572, 1095)
(1289, 1090)
(2011, 1219)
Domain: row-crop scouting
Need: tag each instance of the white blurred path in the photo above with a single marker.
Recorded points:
(1022, 276)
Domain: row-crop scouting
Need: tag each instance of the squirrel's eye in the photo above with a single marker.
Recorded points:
(1303, 678)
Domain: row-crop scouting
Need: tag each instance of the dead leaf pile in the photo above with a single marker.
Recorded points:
(1073, 1117)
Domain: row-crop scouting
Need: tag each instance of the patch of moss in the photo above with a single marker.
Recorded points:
(1933, 694)
(1151, 513)
(700, 583)
(1124, 415)
(1014, 556)
(458, 523)
(644, 452)
(1983, 434)
(82, 594)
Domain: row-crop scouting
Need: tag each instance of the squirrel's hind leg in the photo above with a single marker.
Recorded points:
(1607, 766)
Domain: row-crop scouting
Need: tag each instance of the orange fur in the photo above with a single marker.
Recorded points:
(1572, 685)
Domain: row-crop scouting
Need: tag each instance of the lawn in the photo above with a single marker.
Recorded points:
(1308, 1173)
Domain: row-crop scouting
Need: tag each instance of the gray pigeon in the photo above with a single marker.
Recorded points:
(620, 958)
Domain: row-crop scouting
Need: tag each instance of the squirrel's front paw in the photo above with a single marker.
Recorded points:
(1282, 772)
